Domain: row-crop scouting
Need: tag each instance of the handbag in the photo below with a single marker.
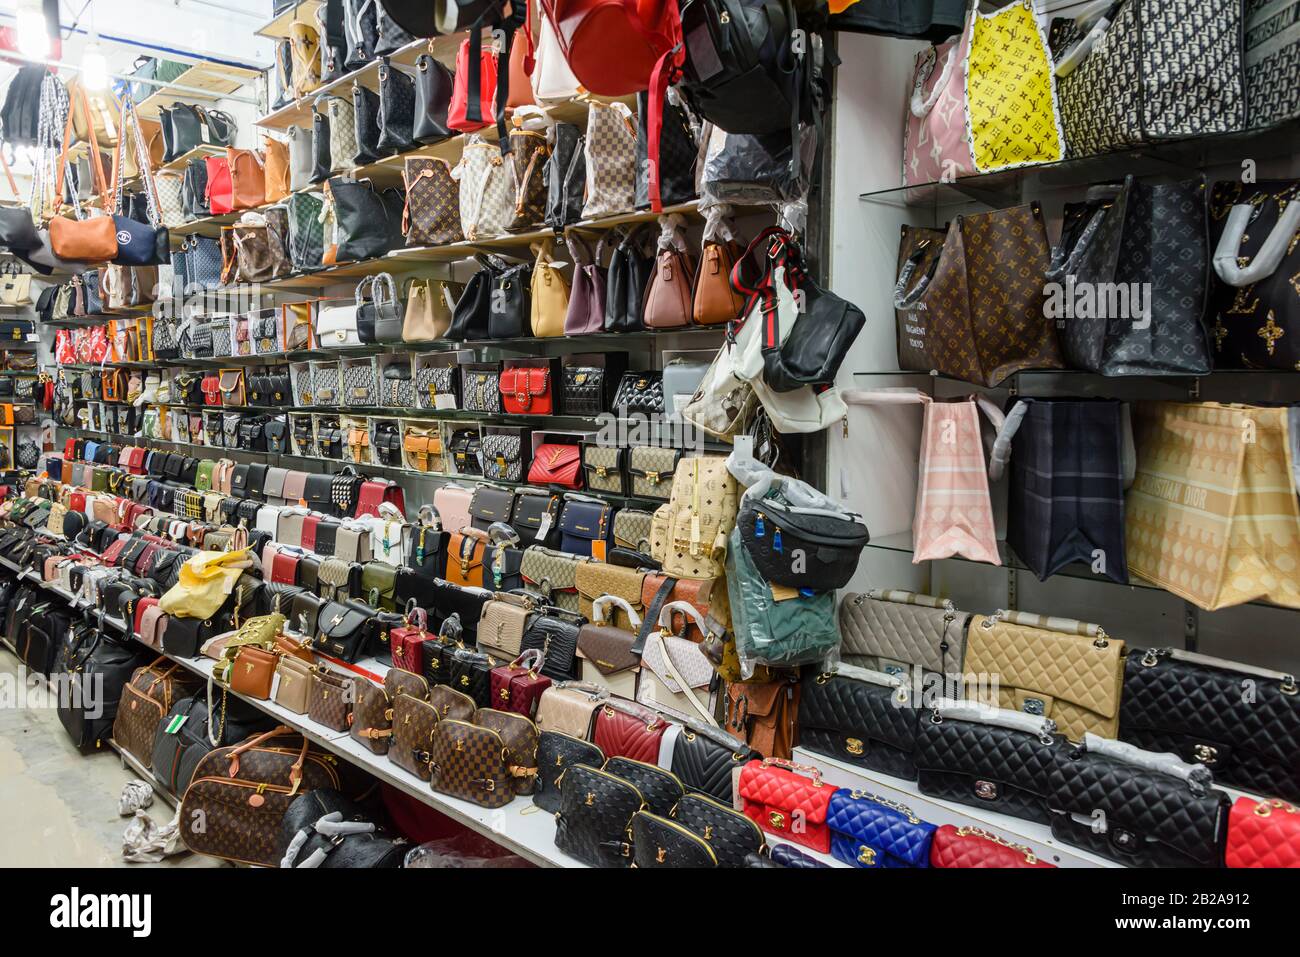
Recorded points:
(631, 266)
(594, 820)
(668, 295)
(370, 220)
(1261, 833)
(529, 151)
(871, 831)
(476, 73)
(982, 340)
(556, 464)
(429, 305)
(380, 314)
(899, 632)
(487, 190)
(998, 58)
(1156, 811)
(603, 469)
(698, 832)
(1193, 706)
(969, 846)
(481, 387)
(1058, 510)
(465, 445)
(693, 528)
(1149, 223)
(396, 108)
(566, 177)
(676, 149)
(432, 215)
(775, 793)
(674, 669)
(556, 753)
(509, 307)
(1188, 551)
(622, 729)
(549, 299)
(526, 388)
(1028, 651)
(433, 92)
(862, 717)
(1112, 89)
(610, 157)
(587, 298)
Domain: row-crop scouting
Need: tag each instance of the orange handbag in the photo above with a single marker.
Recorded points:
(86, 240)
(465, 557)
(247, 176)
(276, 171)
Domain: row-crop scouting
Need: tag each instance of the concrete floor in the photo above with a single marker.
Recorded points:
(58, 808)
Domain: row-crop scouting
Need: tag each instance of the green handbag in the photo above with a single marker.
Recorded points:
(203, 478)
(379, 585)
(99, 480)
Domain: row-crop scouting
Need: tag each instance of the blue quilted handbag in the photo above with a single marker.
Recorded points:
(868, 831)
(202, 262)
(787, 855)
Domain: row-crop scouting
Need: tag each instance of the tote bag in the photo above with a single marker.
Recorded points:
(983, 101)
(1071, 462)
(970, 301)
(1212, 516)
(1140, 253)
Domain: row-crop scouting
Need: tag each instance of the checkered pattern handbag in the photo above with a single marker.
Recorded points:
(343, 132)
(487, 190)
(169, 200)
(611, 160)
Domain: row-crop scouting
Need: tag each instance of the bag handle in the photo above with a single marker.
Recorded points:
(1153, 655)
(1270, 255)
(1197, 776)
(604, 601)
(1041, 726)
(1103, 11)
(532, 659)
(804, 769)
(671, 667)
(1069, 626)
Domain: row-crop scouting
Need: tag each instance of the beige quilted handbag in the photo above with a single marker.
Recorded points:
(897, 631)
(611, 160)
(689, 534)
(1059, 668)
(487, 190)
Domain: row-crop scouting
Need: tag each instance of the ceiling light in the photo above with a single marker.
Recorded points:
(94, 66)
(33, 36)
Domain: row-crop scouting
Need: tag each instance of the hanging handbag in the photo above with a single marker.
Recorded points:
(396, 108)
(433, 92)
(476, 73)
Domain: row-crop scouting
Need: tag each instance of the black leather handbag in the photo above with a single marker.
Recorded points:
(1193, 706)
(389, 34)
(1003, 761)
(471, 674)
(641, 392)
(556, 753)
(469, 320)
(698, 832)
(510, 302)
(433, 86)
(277, 436)
(365, 107)
(370, 220)
(387, 444)
(861, 717)
(396, 108)
(465, 444)
(554, 632)
(772, 530)
(660, 788)
(194, 189)
(704, 759)
(582, 390)
(186, 126)
(531, 509)
(320, 147)
(1136, 815)
(565, 175)
(342, 629)
(630, 267)
(595, 817)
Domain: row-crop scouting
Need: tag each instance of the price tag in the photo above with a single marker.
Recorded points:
(176, 723)
(544, 526)
(445, 401)
(33, 337)
(275, 684)
(782, 593)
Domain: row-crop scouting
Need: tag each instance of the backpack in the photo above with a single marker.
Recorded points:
(21, 112)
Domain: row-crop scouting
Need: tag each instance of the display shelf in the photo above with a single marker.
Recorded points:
(179, 164)
(204, 79)
(936, 811)
(278, 26)
(1183, 158)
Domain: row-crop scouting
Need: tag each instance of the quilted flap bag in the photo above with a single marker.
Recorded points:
(1262, 833)
(526, 390)
(1194, 706)
(517, 687)
(777, 794)
(1059, 668)
(1137, 807)
(861, 717)
(897, 631)
(585, 526)
(871, 831)
(556, 464)
(622, 729)
(641, 392)
(973, 847)
(988, 758)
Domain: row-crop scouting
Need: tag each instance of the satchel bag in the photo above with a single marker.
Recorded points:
(593, 824)
(1193, 706)
(608, 660)
(674, 669)
(429, 307)
(610, 154)
(1027, 651)
(1155, 811)
(1113, 89)
(946, 323)
(470, 762)
(487, 190)
(899, 632)
(987, 757)
(775, 794)
(955, 124)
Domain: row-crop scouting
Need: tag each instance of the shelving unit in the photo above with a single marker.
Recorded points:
(216, 79)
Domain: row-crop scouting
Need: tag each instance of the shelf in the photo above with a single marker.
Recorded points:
(1182, 158)
(936, 811)
(278, 27)
(214, 79)
(179, 164)
(129, 760)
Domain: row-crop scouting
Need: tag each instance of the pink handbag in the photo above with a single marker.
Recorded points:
(452, 505)
(587, 297)
(936, 141)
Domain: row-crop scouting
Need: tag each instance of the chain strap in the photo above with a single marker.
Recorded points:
(886, 802)
(972, 831)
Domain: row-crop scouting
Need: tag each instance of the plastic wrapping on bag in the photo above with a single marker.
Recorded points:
(458, 852)
(776, 627)
(756, 170)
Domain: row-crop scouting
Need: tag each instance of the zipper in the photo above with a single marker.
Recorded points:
(758, 832)
(684, 830)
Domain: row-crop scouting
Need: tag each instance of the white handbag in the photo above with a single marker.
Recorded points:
(300, 157)
(675, 675)
(16, 290)
(390, 535)
(553, 81)
(336, 326)
(268, 519)
(487, 189)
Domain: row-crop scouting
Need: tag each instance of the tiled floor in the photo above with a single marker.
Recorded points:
(58, 808)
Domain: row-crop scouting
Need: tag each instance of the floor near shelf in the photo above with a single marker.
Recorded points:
(59, 807)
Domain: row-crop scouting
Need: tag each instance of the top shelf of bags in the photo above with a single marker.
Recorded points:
(278, 27)
(201, 78)
(1179, 158)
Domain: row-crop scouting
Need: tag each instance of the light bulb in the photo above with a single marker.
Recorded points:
(33, 37)
(94, 67)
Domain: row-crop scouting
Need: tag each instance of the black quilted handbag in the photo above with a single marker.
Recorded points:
(1194, 706)
(660, 789)
(703, 759)
(471, 674)
(699, 832)
(640, 392)
(556, 753)
(1134, 814)
(583, 390)
(861, 717)
(989, 758)
(595, 815)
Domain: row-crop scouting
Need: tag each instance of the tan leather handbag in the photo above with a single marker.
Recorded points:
(568, 708)
(276, 170)
(247, 176)
(502, 623)
(429, 307)
(294, 682)
(550, 293)
(714, 301)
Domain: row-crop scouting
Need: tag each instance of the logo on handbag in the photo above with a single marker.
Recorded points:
(460, 744)
(1035, 706)
(866, 856)
(853, 746)
(1206, 754)
(464, 681)
(591, 799)
(986, 790)
(505, 694)
(776, 819)
(336, 619)
(660, 855)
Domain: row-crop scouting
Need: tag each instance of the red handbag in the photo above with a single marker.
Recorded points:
(954, 846)
(526, 390)
(374, 493)
(309, 532)
(457, 112)
(140, 606)
(77, 502)
(284, 568)
(778, 800)
(629, 731)
(407, 642)
(1263, 834)
(613, 46)
(221, 187)
(556, 465)
(211, 386)
(517, 686)
(135, 461)
(114, 550)
(70, 449)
